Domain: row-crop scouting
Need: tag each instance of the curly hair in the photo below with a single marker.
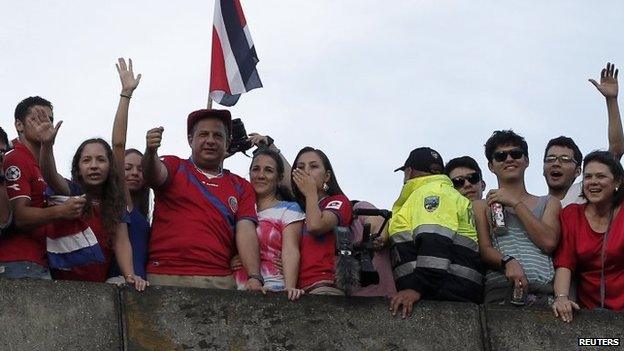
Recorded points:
(112, 194)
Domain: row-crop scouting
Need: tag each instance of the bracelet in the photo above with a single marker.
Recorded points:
(129, 276)
(126, 96)
(561, 295)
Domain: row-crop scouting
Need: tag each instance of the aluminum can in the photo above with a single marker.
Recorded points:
(518, 294)
(498, 219)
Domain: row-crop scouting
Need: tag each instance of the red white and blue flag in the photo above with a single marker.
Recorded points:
(233, 67)
(71, 242)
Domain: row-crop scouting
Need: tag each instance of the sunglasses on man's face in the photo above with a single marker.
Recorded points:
(501, 156)
(472, 178)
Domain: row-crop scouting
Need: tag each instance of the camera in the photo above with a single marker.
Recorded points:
(239, 142)
(354, 262)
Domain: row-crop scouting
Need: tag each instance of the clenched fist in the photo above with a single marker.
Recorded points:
(153, 139)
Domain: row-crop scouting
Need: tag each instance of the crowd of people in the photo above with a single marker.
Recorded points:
(211, 228)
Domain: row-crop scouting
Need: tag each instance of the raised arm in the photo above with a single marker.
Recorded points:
(608, 87)
(317, 222)
(46, 133)
(120, 125)
(154, 170)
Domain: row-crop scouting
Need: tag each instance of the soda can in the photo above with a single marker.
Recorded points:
(498, 218)
(518, 295)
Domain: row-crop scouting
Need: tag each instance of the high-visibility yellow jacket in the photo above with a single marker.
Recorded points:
(432, 200)
(434, 241)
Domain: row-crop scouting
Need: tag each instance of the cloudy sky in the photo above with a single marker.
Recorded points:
(366, 81)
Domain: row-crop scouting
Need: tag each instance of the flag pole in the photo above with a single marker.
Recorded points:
(209, 104)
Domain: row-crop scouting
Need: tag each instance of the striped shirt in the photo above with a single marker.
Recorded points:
(537, 265)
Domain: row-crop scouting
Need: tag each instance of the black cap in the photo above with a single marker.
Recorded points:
(422, 159)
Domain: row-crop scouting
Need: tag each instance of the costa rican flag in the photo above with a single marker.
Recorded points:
(233, 67)
(71, 243)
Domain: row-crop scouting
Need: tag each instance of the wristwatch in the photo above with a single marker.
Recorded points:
(505, 259)
(257, 277)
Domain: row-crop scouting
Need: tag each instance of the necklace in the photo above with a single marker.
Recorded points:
(208, 175)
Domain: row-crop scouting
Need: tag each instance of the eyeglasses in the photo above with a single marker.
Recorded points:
(472, 178)
(501, 156)
(561, 158)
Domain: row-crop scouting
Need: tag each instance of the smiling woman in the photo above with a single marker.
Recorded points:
(592, 242)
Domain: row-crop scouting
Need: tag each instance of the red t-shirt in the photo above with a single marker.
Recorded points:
(195, 219)
(97, 271)
(23, 179)
(580, 251)
(318, 251)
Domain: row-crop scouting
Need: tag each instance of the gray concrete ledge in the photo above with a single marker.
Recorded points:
(55, 315)
(167, 318)
(46, 315)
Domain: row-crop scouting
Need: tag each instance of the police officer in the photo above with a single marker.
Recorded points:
(433, 240)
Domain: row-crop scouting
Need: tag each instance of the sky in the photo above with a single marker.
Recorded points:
(365, 81)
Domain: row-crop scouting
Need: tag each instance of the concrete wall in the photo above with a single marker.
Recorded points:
(36, 315)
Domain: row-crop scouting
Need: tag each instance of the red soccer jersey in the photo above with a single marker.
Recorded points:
(23, 179)
(195, 219)
(580, 251)
(318, 251)
(97, 271)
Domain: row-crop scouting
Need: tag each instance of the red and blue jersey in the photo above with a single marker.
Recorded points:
(318, 251)
(193, 231)
(24, 180)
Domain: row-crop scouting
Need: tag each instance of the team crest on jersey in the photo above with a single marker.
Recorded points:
(233, 203)
(334, 205)
(432, 203)
(12, 173)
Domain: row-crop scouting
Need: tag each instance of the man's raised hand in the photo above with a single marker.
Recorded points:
(608, 86)
(40, 121)
(126, 75)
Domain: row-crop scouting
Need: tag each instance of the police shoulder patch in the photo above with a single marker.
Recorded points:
(13, 173)
(334, 205)
(431, 203)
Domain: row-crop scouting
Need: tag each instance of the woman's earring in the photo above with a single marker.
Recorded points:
(325, 187)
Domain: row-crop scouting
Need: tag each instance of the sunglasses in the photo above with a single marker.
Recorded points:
(472, 178)
(500, 156)
(561, 158)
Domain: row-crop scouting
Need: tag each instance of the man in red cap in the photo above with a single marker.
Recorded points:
(203, 214)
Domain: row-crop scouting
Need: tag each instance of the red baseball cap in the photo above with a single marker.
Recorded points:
(223, 115)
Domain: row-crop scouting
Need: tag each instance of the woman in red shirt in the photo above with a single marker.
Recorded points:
(592, 241)
(317, 192)
(95, 176)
